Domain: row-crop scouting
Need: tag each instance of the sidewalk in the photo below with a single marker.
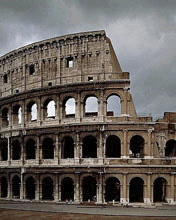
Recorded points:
(161, 210)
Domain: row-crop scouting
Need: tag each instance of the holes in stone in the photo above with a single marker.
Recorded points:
(4, 187)
(50, 84)
(159, 194)
(170, 150)
(48, 149)
(90, 78)
(69, 107)
(5, 117)
(137, 147)
(16, 150)
(89, 148)
(30, 149)
(112, 190)
(3, 151)
(30, 188)
(32, 111)
(69, 62)
(91, 106)
(16, 187)
(5, 78)
(113, 106)
(136, 190)
(49, 109)
(31, 69)
(113, 146)
(67, 189)
(17, 114)
(89, 188)
(67, 148)
(47, 189)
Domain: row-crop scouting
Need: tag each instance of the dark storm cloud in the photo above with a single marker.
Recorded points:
(143, 33)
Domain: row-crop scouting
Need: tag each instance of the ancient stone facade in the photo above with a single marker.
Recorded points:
(69, 130)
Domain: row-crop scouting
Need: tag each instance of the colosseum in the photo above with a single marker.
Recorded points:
(70, 132)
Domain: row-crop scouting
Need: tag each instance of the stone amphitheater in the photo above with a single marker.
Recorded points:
(70, 132)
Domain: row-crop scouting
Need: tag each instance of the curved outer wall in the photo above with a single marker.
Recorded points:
(53, 156)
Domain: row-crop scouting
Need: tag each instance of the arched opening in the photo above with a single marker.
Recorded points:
(136, 190)
(16, 187)
(17, 114)
(4, 187)
(67, 148)
(91, 106)
(48, 149)
(89, 148)
(67, 189)
(113, 106)
(3, 151)
(30, 149)
(5, 117)
(5, 78)
(47, 189)
(49, 109)
(32, 111)
(112, 190)
(69, 108)
(170, 150)
(89, 188)
(32, 69)
(30, 188)
(159, 188)
(16, 150)
(113, 146)
(137, 146)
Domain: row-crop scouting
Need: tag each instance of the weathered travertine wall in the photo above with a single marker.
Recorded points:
(95, 154)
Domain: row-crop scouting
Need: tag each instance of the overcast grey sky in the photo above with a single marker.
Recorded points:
(143, 34)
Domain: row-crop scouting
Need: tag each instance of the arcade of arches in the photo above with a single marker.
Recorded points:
(83, 189)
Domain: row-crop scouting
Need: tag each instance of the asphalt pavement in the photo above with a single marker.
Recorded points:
(163, 210)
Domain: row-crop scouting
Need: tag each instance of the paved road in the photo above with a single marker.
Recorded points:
(164, 210)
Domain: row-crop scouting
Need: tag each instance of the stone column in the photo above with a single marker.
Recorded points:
(22, 186)
(37, 189)
(57, 108)
(124, 103)
(125, 197)
(78, 108)
(59, 152)
(38, 150)
(149, 151)
(100, 188)
(56, 149)
(77, 188)
(100, 148)
(172, 189)
(101, 106)
(148, 198)
(59, 189)
(9, 150)
(125, 147)
(56, 198)
(22, 151)
(40, 188)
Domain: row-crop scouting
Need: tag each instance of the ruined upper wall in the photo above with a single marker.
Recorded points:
(71, 58)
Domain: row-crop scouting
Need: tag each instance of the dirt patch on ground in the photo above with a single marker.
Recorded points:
(26, 215)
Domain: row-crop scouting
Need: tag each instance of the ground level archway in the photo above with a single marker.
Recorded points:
(136, 190)
(89, 187)
(159, 190)
(30, 188)
(112, 190)
(47, 189)
(67, 189)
